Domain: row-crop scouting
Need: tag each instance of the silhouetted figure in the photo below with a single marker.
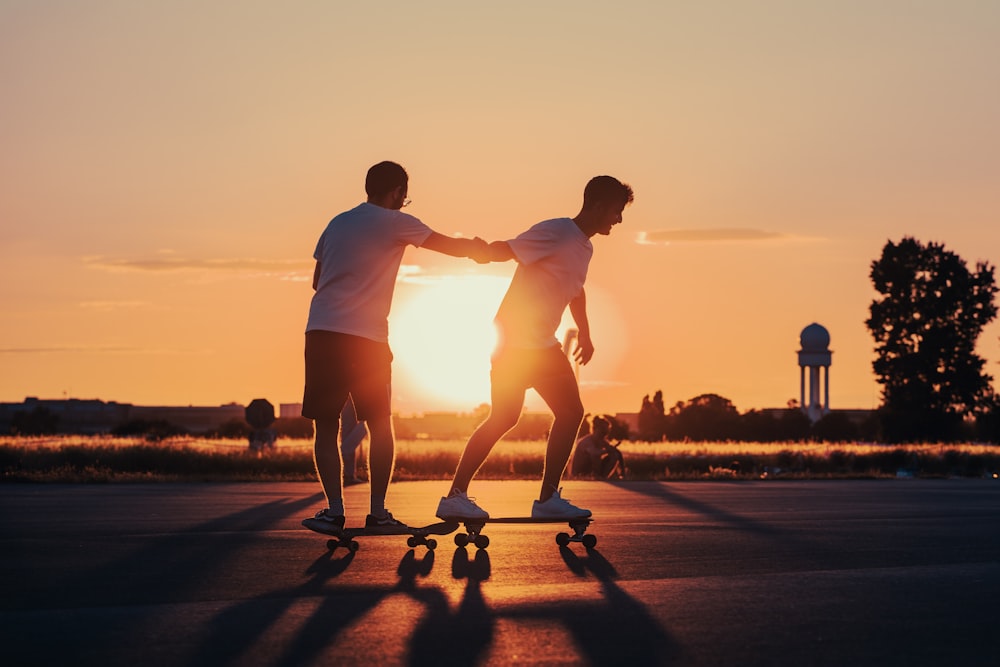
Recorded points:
(347, 335)
(260, 415)
(552, 261)
(595, 456)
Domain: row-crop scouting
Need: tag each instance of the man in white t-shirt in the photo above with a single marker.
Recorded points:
(347, 336)
(552, 261)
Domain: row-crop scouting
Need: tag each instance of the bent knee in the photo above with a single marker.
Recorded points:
(501, 422)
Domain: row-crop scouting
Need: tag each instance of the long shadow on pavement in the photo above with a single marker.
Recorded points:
(662, 491)
(161, 571)
(236, 632)
(461, 637)
(615, 630)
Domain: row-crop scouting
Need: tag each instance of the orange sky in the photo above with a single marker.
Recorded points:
(166, 172)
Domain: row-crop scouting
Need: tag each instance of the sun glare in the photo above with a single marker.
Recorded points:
(442, 335)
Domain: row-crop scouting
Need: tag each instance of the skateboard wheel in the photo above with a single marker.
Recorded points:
(482, 541)
(432, 544)
(412, 541)
(332, 545)
(562, 539)
(461, 539)
(589, 541)
(353, 545)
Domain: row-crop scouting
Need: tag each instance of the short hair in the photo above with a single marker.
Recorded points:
(385, 177)
(606, 190)
(602, 422)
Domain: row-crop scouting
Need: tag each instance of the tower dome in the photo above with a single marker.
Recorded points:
(815, 338)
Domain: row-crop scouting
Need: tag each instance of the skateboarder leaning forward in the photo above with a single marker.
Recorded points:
(552, 260)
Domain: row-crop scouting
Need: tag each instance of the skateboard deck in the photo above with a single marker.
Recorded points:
(416, 536)
(473, 533)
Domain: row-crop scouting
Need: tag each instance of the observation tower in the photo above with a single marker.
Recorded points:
(815, 356)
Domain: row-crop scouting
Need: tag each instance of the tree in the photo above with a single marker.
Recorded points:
(925, 321)
(651, 418)
(704, 418)
(835, 427)
(757, 426)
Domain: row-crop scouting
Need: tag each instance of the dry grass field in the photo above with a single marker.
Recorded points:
(115, 459)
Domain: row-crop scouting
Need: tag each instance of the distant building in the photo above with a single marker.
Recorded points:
(193, 419)
(289, 409)
(92, 416)
(72, 414)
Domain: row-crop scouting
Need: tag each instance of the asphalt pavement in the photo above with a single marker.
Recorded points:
(896, 572)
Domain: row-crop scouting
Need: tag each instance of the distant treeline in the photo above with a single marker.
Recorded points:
(40, 420)
(74, 459)
(713, 418)
(705, 418)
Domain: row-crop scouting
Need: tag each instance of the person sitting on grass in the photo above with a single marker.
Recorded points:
(595, 456)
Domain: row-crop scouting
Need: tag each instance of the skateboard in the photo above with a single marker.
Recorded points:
(474, 530)
(415, 536)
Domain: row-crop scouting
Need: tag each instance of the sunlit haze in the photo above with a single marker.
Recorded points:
(168, 167)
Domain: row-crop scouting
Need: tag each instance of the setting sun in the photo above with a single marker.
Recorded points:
(441, 334)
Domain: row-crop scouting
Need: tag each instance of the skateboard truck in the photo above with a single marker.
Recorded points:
(348, 542)
(415, 536)
(579, 527)
(474, 531)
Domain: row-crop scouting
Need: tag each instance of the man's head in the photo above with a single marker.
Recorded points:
(607, 191)
(604, 199)
(601, 426)
(387, 184)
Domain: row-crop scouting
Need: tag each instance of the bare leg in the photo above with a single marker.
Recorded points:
(381, 458)
(326, 455)
(562, 395)
(504, 413)
(618, 470)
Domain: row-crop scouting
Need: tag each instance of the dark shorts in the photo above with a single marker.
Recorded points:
(339, 364)
(521, 369)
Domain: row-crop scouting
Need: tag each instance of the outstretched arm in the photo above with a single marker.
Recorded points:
(500, 251)
(476, 249)
(584, 346)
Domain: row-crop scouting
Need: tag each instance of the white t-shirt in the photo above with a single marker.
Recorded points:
(359, 254)
(552, 261)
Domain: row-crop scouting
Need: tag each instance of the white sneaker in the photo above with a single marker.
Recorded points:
(557, 507)
(460, 506)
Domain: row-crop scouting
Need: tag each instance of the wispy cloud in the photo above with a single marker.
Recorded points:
(715, 235)
(107, 306)
(96, 349)
(284, 269)
(281, 267)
